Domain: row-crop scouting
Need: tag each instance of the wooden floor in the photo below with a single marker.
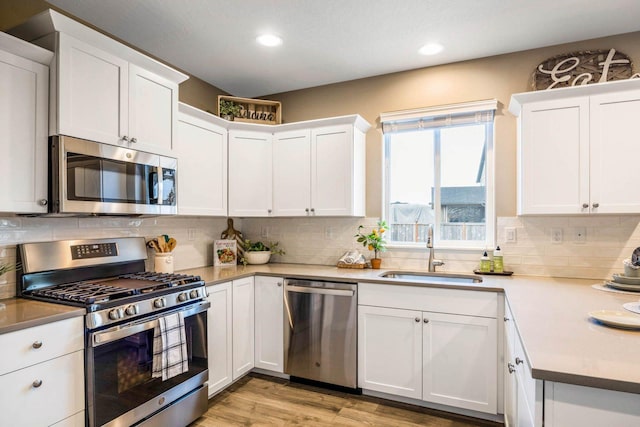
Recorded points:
(258, 400)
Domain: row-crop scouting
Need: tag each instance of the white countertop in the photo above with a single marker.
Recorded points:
(551, 314)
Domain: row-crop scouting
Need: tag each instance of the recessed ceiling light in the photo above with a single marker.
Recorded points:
(431, 49)
(269, 40)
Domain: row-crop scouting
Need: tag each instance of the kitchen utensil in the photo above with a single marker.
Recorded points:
(618, 319)
(153, 244)
(171, 244)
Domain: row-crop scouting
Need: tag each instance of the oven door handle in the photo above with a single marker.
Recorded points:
(123, 331)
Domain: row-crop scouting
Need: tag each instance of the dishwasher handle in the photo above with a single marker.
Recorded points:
(320, 291)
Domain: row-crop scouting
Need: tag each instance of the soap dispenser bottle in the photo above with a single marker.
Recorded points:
(485, 263)
(498, 264)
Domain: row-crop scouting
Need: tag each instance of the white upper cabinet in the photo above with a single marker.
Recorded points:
(201, 149)
(250, 177)
(103, 90)
(577, 150)
(292, 173)
(24, 79)
(319, 168)
(337, 171)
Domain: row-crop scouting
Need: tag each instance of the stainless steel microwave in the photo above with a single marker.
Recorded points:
(87, 177)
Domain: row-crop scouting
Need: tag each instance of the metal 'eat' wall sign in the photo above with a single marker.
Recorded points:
(582, 68)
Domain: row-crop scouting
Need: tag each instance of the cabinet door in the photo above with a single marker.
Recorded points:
(615, 152)
(250, 173)
(390, 351)
(460, 354)
(58, 395)
(269, 324)
(23, 124)
(553, 157)
(153, 111)
(243, 326)
(332, 170)
(219, 336)
(201, 149)
(292, 173)
(92, 92)
(510, 389)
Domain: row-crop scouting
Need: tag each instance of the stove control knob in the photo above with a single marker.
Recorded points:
(194, 293)
(132, 309)
(116, 314)
(159, 303)
(183, 297)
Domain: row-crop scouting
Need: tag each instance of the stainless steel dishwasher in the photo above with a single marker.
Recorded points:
(320, 339)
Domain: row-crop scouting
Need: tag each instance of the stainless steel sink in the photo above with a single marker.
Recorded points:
(424, 277)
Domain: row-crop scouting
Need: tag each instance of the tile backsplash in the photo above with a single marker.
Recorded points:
(604, 243)
(188, 253)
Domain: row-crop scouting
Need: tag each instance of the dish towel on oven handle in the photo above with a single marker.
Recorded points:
(170, 356)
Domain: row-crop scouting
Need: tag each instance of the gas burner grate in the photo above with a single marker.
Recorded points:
(84, 292)
(167, 280)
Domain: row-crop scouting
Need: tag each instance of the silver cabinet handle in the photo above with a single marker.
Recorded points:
(134, 140)
(585, 205)
(36, 344)
(321, 291)
(511, 367)
(519, 361)
(306, 210)
(506, 319)
(43, 202)
(269, 211)
(417, 320)
(279, 283)
(596, 205)
(36, 383)
(125, 138)
(313, 210)
(426, 320)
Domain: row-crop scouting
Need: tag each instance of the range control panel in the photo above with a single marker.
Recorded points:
(94, 250)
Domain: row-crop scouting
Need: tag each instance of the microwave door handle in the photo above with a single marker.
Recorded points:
(152, 183)
(160, 185)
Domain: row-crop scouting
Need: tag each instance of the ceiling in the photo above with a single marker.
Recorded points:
(328, 41)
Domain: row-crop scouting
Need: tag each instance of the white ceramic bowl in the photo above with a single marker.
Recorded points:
(257, 257)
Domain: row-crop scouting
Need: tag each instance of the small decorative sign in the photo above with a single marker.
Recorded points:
(250, 110)
(225, 253)
(582, 68)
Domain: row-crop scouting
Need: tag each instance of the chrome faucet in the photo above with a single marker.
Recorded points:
(433, 263)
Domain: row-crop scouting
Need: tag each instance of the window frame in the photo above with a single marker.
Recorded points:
(468, 108)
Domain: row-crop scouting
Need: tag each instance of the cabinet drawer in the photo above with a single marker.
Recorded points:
(22, 348)
(76, 420)
(439, 300)
(60, 395)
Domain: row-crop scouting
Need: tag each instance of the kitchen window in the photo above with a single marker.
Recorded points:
(438, 171)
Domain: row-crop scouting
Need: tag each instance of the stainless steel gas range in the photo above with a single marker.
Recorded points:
(127, 309)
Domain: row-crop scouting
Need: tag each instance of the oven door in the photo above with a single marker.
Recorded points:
(120, 387)
(91, 177)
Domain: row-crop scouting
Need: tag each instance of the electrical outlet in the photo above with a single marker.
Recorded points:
(328, 233)
(264, 232)
(191, 234)
(510, 235)
(580, 235)
(556, 235)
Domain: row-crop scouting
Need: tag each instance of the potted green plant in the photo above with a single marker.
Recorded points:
(259, 253)
(229, 109)
(374, 241)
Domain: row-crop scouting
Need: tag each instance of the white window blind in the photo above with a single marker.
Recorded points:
(468, 113)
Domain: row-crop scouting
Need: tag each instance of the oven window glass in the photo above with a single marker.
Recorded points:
(120, 371)
(97, 179)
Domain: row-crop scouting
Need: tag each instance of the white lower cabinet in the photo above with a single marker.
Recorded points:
(269, 323)
(437, 357)
(219, 335)
(243, 326)
(43, 383)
